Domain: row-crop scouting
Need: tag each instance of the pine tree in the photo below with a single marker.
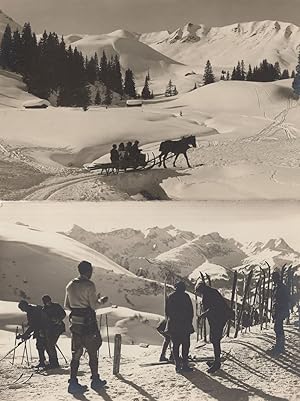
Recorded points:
(296, 81)
(249, 76)
(227, 76)
(293, 74)
(91, 70)
(171, 89)
(103, 68)
(285, 74)
(277, 70)
(233, 74)
(6, 49)
(108, 97)
(243, 72)
(208, 77)
(146, 94)
(129, 84)
(16, 52)
(98, 98)
(117, 76)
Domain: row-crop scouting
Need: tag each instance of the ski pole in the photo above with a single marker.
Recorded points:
(25, 352)
(61, 353)
(12, 350)
(108, 343)
(14, 354)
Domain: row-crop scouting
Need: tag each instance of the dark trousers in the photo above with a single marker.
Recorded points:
(216, 328)
(41, 347)
(217, 350)
(91, 342)
(182, 340)
(51, 341)
(278, 328)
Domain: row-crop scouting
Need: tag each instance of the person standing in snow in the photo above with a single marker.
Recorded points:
(179, 313)
(280, 311)
(55, 328)
(218, 313)
(81, 300)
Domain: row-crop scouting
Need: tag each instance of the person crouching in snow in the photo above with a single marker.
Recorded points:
(81, 300)
(218, 313)
(179, 314)
(37, 324)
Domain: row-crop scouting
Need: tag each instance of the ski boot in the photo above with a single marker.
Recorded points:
(214, 367)
(97, 384)
(76, 388)
(40, 365)
(186, 369)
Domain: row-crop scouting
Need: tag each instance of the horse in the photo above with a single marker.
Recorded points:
(176, 147)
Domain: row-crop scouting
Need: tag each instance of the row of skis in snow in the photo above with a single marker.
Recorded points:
(254, 305)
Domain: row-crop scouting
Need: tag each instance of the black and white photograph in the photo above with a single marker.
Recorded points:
(149, 200)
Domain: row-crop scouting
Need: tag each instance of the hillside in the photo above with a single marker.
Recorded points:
(6, 20)
(34, 262)
(13, 92)
(133, 54)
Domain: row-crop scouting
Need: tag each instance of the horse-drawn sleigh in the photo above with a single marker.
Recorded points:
(168, 149)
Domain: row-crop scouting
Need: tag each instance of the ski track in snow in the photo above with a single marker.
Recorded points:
(248, 374)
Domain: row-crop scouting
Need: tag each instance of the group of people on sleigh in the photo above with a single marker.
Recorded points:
(128, 155)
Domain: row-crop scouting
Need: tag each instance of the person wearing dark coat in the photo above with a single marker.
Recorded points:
(128, 151)
(179, 314)
(56, 327)
(114, 155)
(37, 324)
(280, 311)
(218, 313)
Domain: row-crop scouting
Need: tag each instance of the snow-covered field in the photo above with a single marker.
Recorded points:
(247, 146)
(249, 374)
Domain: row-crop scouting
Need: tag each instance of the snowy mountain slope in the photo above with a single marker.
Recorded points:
(123, 243)
(275, 251)
(224, 46)
(133, 53)
(13, 92)
(243, 99)
(35, 262)
(187, 255)
(6, 20)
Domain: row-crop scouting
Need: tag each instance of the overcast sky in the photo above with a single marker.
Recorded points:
(100, 16)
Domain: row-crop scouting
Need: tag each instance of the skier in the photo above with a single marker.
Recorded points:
(217, 312)
(37, 324)
(82, 300)
(179, 314)
(114, 155)
(280, 311)
(55, 328)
